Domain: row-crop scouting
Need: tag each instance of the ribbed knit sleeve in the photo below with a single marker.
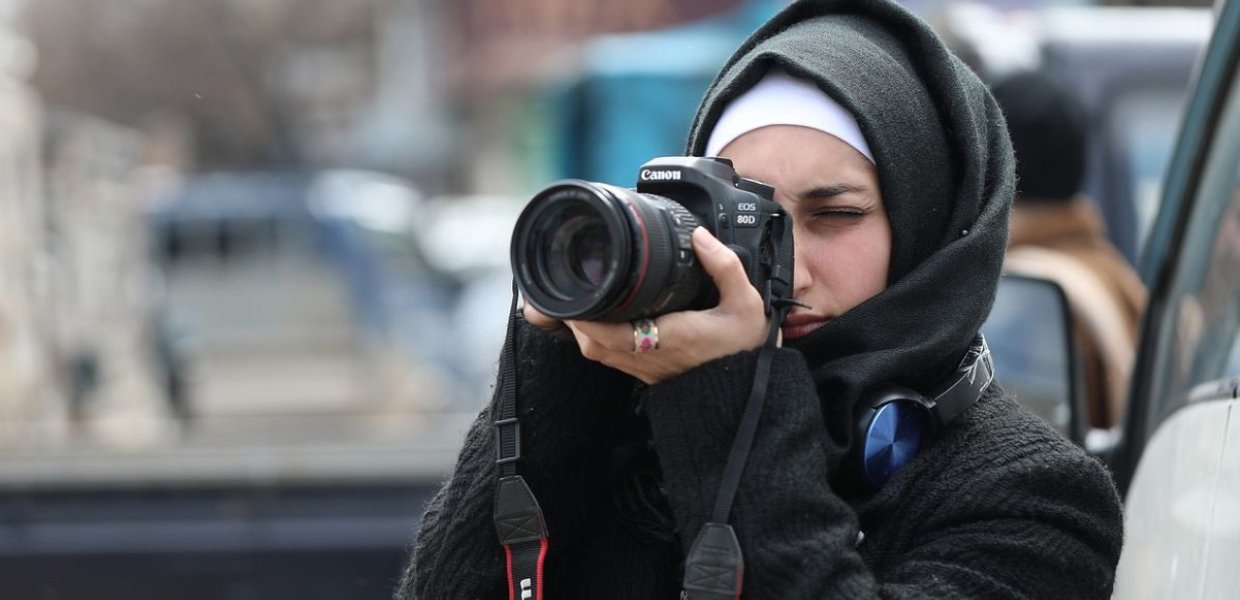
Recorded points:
(1001, 507)
(567, 406)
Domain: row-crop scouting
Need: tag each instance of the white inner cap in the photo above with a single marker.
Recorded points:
(781, 99)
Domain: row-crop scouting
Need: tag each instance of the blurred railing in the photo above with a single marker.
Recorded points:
(94, 206)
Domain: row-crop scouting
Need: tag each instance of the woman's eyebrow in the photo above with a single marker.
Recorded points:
(830, 191)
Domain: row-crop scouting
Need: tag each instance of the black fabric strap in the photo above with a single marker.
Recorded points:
(507, 429)
(739, 454)
(519, 522)
(715, 567)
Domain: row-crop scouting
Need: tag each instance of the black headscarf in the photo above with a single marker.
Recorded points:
(946, 170)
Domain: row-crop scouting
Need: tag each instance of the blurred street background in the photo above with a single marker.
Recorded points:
(254, 253)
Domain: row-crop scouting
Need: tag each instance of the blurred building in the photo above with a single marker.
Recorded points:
(429, 89)
(25, 368)
(73, 270)
(518, 74)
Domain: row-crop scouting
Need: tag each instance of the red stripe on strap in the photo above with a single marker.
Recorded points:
(508, 559)
(542, 556)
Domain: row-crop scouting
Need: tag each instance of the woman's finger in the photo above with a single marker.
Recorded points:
(541, 321)
(596, 336)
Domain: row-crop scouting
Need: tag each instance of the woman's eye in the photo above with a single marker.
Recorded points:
(840, 213)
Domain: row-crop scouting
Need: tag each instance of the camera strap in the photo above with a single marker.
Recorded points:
(518, 519)
(715, 567)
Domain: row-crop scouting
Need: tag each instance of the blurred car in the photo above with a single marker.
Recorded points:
(1037, 363)
(1177, 461)
(225, 215)
(1179, 458)
(466, 238)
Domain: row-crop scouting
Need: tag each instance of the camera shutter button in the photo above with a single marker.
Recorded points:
(756, 187)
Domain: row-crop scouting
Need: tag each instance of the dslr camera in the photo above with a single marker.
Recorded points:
(597, 252)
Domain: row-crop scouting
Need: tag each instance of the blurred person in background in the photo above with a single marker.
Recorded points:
(894, 164)
(1056, 232)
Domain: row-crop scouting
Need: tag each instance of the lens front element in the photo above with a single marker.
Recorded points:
(576, 252)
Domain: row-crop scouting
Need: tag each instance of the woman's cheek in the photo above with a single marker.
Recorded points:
(858, 262)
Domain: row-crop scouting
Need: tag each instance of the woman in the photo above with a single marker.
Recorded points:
(898, 177)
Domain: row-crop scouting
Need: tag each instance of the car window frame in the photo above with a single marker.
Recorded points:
(1216, 75)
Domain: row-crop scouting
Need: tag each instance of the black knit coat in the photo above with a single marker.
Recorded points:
(1001, 506)
(997, 506)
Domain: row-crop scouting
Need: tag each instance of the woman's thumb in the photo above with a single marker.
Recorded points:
(723, 266)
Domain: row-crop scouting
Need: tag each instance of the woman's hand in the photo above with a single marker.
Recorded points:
(687, 339)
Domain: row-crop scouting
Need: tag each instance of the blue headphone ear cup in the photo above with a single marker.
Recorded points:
(893, 422)
(891, 426)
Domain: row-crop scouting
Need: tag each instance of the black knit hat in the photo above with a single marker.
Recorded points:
(1048, 125)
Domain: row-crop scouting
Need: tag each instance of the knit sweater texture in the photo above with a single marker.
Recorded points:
(1000, 506)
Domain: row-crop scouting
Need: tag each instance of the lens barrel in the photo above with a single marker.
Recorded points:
(591, 251)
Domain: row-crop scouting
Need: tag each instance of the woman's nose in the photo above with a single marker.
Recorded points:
(801, 278)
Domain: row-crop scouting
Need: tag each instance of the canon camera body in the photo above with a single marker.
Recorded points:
(592, 251)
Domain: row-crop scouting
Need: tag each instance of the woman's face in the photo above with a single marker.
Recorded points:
(842, 235)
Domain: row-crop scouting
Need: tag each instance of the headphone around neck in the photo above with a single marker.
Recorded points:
(894, 422)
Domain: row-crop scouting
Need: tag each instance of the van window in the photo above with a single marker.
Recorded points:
(1205, 336)
(1141, 126)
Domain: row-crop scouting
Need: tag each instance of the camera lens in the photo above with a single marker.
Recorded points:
(595, 252)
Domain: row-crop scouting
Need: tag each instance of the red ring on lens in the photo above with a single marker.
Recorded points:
(641, 277)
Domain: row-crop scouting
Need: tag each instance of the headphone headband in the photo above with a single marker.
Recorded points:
(974, 374)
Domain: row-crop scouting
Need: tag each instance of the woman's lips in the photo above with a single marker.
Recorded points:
(797, 325)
